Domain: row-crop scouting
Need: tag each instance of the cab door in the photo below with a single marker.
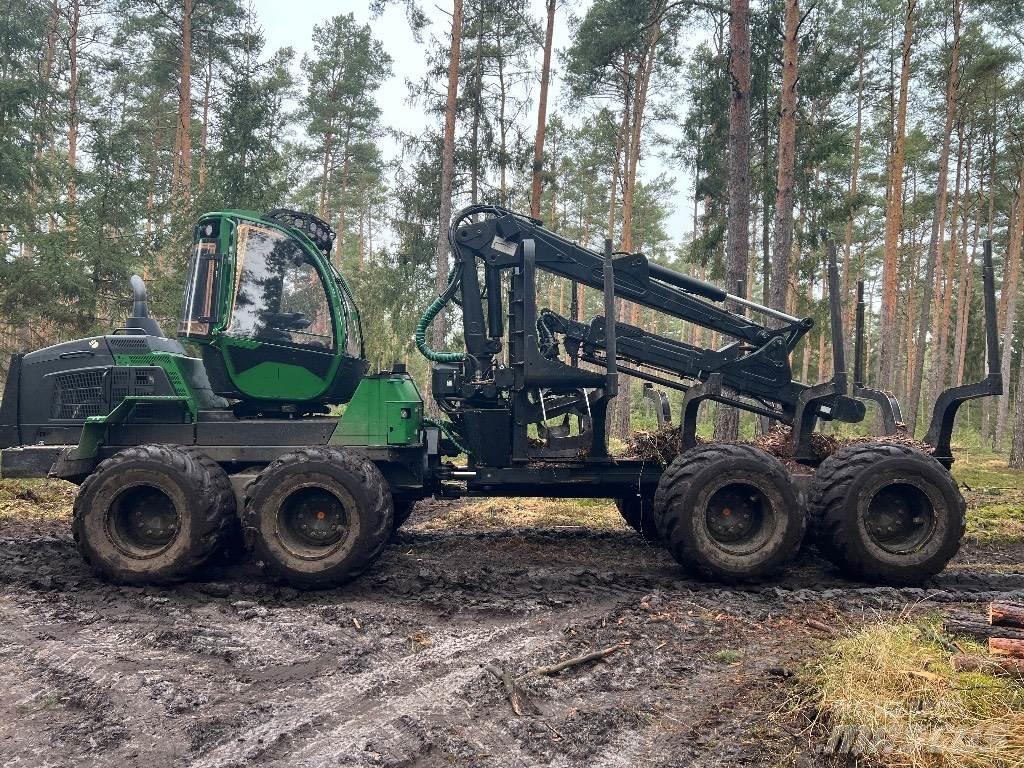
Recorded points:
(280, 342)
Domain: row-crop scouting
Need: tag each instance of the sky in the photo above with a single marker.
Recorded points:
(291, 24)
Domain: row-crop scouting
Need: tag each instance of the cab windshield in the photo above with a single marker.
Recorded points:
(279, 295)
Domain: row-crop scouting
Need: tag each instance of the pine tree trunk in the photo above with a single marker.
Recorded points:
(938, 369)
(894, 215)
(542, 112)
(632, 160)
(848, 274)
(938, 222)
(965, 295)
(1009, 301)
(74, 22)
(784, 191)
(1017, 446)
(440, 327)
(478, 85)
(325, 174)
(204, 131)
(727, 418)
(182, 182)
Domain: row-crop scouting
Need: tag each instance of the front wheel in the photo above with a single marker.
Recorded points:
(729, 512)
(886, 513)
(318, 517)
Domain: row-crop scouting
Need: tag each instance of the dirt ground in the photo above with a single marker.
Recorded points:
(391, 671)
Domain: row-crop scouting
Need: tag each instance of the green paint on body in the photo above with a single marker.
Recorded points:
(177, 369)
(268, 380)
(385, 410)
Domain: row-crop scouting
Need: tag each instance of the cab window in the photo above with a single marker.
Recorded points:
(279, 295)
(200, 290)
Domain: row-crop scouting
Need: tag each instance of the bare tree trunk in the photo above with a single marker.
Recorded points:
(342, 199)
(478, 85)
(1017, 446)
(945, 303)
(894, 215)
(848, 303)
(783, 224)
(325, 174)
(542, 112)
(1009, 301)
(502, 128)
(727, 418)
(632, 159)
(181, 183)
(74, 22)
(440, 327)
(938, 221)
(204, 131)
(965, 294)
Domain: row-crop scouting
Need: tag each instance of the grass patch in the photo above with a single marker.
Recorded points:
(995, 499)
(36, 499)
(727, 656)
(527, 512)
(894, 682)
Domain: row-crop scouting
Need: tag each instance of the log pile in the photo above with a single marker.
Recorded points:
(1003, 633)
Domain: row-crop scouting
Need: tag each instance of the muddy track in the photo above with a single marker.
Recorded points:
(237, 670)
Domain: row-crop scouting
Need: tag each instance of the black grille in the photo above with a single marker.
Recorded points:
(79, 395)
(120, 385)
(128, 344)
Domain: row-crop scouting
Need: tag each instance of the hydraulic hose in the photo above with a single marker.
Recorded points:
(439, 303)
(428, 317)
(448, 432)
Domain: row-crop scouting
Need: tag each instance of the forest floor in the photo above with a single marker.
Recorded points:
(392, 670)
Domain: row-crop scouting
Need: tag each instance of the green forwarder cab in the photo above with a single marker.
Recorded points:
(172, 449)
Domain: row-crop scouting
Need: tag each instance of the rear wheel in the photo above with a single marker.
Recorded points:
(638, 511)
(153, 513)
(318, 517)
(729, 512)
(886, 513)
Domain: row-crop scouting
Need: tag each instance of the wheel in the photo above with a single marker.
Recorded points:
(318, 517)
(403, 508)
(638, 511)
(153, 513)
(886, 513)
(729, 512)
(232, 544)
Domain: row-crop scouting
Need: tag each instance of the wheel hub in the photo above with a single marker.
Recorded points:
(313, 517)
(143, 520)
(735, 513)
(899, 518)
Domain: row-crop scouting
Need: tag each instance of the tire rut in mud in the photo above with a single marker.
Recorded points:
(239, 670)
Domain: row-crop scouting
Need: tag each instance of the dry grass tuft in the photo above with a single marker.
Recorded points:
(35, 500)
(525, 512)
(894, 682)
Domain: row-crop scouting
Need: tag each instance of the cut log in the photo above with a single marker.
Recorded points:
(1008, 667)
(1005, 646)
(1006, 614)
(979, 631)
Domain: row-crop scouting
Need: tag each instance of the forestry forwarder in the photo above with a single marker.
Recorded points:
(173, 451)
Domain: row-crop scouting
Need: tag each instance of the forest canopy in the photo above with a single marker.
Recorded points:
(730, 140)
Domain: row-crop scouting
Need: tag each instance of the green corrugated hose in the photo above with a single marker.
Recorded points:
(449, 434)
(428, 317)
